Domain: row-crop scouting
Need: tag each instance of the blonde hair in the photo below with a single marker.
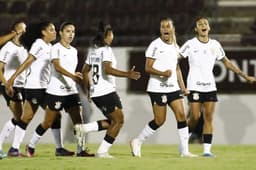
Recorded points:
(173, 33)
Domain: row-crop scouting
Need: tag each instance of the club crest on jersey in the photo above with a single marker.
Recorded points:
(164, 98)
(57, 105)
(195, 96)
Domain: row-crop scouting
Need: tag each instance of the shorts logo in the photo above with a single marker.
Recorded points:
(195, 96)
(19, 96)
(164, 98)
(34, 101)
(103, 109)
(57, 105)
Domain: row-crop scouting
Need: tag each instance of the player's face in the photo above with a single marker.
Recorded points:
(21, 26)
(109, 38)
(68, 34)
(49, 33)
(166, 30)
(202, 27)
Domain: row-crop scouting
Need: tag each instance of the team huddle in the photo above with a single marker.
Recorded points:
(34, 73)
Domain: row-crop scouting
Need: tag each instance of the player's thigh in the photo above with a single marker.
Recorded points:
(177, 107)
(29, 110)
(195, 108)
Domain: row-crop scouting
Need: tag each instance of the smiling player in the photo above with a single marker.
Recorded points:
(202, 52)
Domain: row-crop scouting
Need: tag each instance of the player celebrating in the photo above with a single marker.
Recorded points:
(61, 92)
(202, 52)
(164, 88)
(102, 62)
(37, 40)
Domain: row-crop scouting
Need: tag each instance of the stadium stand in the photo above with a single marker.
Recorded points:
(136, 22)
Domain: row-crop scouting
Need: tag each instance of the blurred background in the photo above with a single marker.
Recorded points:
(136, 24)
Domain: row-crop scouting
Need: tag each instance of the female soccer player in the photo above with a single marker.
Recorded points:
(11, 35)
(37, 40)
(164, 88)
(202, 52)
(61, 92)
(12, 55)
(102, 62)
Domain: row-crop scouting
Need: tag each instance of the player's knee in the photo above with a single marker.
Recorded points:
(194, 116)
(153, 125)
(118, 118)
(180, 116)
(118, 122)
(27, 119)
(159, 121)
(57, 122)
(47, 124)
(208, 118)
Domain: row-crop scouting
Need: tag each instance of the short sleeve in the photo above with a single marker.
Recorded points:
(89, 53)
(220, 51)
(5, 53)
(185, 50)
(107, 54)
(36, 49)
(55, 53)
(151, 51)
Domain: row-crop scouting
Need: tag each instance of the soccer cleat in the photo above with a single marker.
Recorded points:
(135, 145)
(208, 155)
(103, 155)
(85, 153)
(30, 151)
(13, 152)
(2, 155)
(63, 152)
(188, 155)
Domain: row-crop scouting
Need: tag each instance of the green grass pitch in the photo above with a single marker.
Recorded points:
(154, 157)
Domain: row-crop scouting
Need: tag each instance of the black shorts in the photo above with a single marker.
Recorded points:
(108, 102)
(57, 103)
(36, 96)
(163, 99)
(18, 95)
(201, 97)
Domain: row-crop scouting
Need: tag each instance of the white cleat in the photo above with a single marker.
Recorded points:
(135, 145)
(104, 155)
(188, 155)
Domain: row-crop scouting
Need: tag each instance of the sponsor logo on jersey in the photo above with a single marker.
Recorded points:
(203, 83)
(164, 84)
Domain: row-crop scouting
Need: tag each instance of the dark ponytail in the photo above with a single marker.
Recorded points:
(102, 31)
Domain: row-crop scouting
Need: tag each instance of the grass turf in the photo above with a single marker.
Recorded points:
(154, 157)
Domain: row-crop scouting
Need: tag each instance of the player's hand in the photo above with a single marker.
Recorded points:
(167, 73)
(135, 75)
(185, 92)
(9, 87)
(250, 79)
(78, 77)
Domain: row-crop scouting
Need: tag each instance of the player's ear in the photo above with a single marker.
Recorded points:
(195, 29)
